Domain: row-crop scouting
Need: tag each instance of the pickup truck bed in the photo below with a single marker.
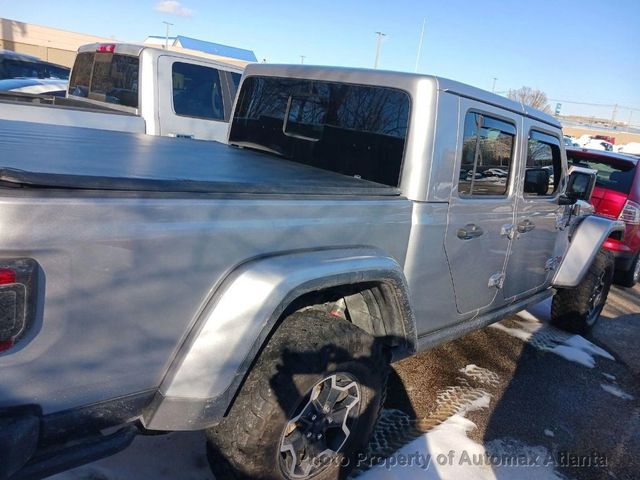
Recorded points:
(106, 160)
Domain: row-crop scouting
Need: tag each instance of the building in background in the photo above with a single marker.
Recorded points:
(50, 44)
(203, 46)
(60, 46)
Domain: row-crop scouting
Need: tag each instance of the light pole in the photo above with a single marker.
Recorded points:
(424, 21)
(302, 57)
(493, 88)
(166, 35)
(613, 115)
(378, 43)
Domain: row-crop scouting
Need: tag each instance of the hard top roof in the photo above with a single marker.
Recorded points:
(406, 81)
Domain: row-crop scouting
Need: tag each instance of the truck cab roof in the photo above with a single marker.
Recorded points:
(136, 49)
(417, 85)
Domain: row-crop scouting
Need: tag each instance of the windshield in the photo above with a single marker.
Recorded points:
(354, 130)
(11, 68)
(106, 77)
(614, 175)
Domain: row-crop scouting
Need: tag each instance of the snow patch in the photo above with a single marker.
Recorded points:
(549, 433)
(447, 453)
(530, 329)
(481, 375)
(608, 376)
(615, 390)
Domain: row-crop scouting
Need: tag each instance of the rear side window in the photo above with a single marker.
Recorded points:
(106, 77)
(612, 175)
(197, 91)
(355, 130)
(235, 78)
(543, 161)
(487, 155)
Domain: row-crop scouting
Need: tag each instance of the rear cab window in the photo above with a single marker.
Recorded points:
(106, 77)
(355, 130)
(613, 174)
(487, 156)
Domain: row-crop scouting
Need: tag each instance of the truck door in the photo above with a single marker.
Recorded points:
(194, 99)
(481, 205)
(538, 215)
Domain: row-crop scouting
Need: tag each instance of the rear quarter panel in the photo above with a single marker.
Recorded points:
(125, 278)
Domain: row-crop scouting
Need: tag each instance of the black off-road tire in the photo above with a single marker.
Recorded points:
(307, 347)
(628, 278)
(575, 309)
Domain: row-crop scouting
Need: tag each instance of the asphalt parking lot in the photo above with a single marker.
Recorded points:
(519, 391)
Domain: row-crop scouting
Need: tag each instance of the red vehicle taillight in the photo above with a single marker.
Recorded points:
(630, 213)
(18, 286)
(106, 48)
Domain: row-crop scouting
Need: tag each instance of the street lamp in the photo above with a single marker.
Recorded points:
(166, 35)
(379, 42)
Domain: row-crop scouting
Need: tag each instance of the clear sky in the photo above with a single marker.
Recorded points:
(579, 50)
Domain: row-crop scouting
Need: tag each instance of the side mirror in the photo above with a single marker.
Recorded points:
(536, 181)
(580, 186)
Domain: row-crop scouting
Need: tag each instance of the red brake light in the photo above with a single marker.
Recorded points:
(7, 276)
(106, 48)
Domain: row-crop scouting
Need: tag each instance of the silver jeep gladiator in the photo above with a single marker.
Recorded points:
(259, 290)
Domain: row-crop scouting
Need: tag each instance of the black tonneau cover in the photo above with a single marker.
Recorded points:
(42, 155)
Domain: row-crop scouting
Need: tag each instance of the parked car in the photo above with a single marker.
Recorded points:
(570, 141)
(597, 144)
(35, 86)
(607, 138)
(495, 172)
(259, 291)
(617, 195)
(631, 148)
(19, 65)
(141, 89)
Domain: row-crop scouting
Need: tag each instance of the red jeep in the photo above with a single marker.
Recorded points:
(617, 195)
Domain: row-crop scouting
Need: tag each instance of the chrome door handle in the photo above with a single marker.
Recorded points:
(526, 226)
(469, 231)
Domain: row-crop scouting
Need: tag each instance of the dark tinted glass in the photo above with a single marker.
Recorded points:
(487, 153)
(10, 68)
(543, 154)
(81, 74)
(115, 79)
(235, 78)
(354, 130)
(612, 175)
(197, 91)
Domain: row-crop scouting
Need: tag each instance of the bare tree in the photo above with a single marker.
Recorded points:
(532, 97)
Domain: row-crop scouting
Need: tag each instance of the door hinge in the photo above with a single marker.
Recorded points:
(496, 280)
(507, 230)
(552, 263)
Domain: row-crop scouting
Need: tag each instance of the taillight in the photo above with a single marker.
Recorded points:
(18, 284)
(106, 48)
(630, 213)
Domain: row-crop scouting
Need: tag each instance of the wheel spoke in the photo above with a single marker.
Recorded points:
(305, 442)
(338, 416)
(329, 396)
(295, 440)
